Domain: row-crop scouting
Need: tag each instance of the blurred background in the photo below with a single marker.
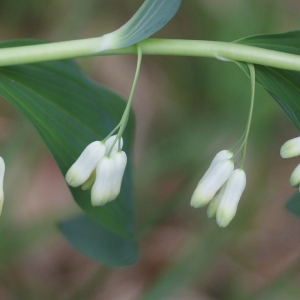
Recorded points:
(186, 109)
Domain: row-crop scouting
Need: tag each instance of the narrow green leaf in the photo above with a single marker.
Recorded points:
(151, 17)
(283, 85)
(70, 111)
(95, 241)
(288, 42)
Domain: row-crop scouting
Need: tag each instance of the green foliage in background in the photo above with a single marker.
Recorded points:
(283, 85)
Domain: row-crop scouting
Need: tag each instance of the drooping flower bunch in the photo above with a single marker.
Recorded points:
(221, 187)
(291, 148)
(101, 167)
(102, 164)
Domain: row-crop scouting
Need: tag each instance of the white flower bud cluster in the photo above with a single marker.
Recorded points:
(101, 168)
(291, 148)
(221, 187)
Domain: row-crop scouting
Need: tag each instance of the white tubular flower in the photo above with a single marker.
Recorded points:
(214, 203)
(207, 188)
(229, 202)
(222, 155)
(102, 188)
(109, 142)
(120, 159)
(295, 177)
(2, 171)
(81, 170)
(290, 148)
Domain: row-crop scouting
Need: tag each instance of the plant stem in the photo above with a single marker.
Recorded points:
(90, 47)
(125, 117)
(252, 77)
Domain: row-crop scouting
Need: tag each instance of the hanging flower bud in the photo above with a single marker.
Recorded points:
(81, 170)
(290, 148)
(229, 202)
(295, 177)
(120, 160)
(207, 188)
(222, 155)
(102, 189)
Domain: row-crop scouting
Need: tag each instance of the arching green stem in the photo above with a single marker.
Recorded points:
(90, 47)
(244, 145)
(125, 116)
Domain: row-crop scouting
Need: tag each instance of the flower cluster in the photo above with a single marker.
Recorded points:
(289, 149)
(101, 167)
(221, 187)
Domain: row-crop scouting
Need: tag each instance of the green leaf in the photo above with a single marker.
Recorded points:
(151, 17)
(293, 204)
(70, 111)
(283, 85)
(288, 42)
(95, 241)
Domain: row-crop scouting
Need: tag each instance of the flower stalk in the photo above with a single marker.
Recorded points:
(244, 145)
(101, 165)
(222, 186)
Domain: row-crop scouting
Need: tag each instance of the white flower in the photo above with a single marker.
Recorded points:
(212, 182)
(102, 189)
(120, 160)
(2, 171)
(232, 194)
(222, 155)
(97, 170)
(81, 170)
(290, 148)
(295, 177)
(109, 174)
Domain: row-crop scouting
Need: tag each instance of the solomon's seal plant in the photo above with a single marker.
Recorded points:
(88, 129)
